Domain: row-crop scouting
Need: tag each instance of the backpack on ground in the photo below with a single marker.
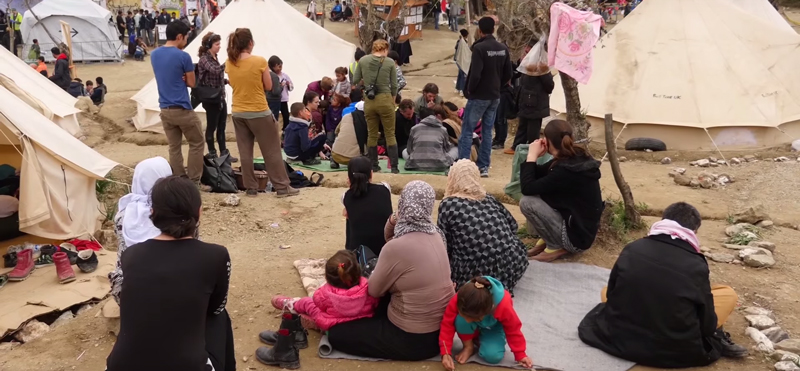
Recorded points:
(298, 180)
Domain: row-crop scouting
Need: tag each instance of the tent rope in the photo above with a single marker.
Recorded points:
(715, 146)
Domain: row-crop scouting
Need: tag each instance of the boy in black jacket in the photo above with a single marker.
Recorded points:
(490, 68)
(660, 309)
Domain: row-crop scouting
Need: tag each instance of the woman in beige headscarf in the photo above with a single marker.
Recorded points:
(481, 234)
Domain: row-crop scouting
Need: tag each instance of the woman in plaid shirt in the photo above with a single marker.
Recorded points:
(211, 73)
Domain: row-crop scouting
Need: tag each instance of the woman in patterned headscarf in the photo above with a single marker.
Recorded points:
(481, 233)
(412, 277)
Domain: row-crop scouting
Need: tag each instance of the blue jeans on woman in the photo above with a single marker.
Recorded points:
(484, 110)
(461, 80)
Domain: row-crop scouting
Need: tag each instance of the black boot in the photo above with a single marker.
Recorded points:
(728, 348)
(292, 323)
(372, 152)
(226, 152)
(393, 159)
(334, 164)
(284, 354)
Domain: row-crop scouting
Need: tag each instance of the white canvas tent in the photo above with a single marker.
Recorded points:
(308, 51)
(57, 172)
(59, 103)
(764, 10)
(697, 74)
(94, 38)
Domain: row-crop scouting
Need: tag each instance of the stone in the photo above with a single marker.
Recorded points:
(782, 355)
(757, 311)
(720, 257)
(706, 183)
(682, 180)
(722, 162)
(62, 319)
(648, 150)
(702, 163)
(731, 178)
(751, 215)
(782, 159)
(230, 200)
(751, 251)
(666, 161)
(763, 344)
(694, 183)
(763, 245)
(786, 366)
(704, 249)
(765, 224)
(736, 161)
(712, 159)
(734, 247)
(32, 330)
(736, 229)
(750, 158)
(790, 345)
(759, 261)
(9, 345)
(107, 238)
(796, 145)
(707, 174)
(760, 322)
(83, 309)
(776, 334)
(713, 164)
(723, 180)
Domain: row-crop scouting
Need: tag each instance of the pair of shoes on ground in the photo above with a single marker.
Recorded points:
(289, 192)
(86, 260)
(286, 343)
(541, 253)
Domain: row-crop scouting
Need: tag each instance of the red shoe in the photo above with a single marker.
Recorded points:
(283, 303)
(63, 268)
(24, 266)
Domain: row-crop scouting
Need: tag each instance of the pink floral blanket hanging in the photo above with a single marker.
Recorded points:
(573, 34)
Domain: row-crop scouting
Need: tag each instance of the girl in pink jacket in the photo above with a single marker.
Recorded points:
(344, 298)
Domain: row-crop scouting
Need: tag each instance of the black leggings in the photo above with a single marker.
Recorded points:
(216, 118)
(285, 114)
(219, 342)
(528, 130)
(378, 337)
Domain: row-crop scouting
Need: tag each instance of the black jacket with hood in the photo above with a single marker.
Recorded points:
(660, 310)
(571, 187)
(61, 76)
(489, 70)
(533, 99)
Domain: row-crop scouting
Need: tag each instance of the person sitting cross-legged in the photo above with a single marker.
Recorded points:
(296, 143)
(660, 309)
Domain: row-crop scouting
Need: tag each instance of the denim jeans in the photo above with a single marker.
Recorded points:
(453, 23)
(484, 110)
(436, 19)
(461, 80)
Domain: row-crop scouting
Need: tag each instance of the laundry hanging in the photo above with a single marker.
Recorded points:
(573, 34)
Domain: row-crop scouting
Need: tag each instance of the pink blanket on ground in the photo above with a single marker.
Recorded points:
(573, 34)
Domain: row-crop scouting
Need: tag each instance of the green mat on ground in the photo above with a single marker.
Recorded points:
(325, 166)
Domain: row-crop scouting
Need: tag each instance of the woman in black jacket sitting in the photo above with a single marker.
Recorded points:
(561, 199)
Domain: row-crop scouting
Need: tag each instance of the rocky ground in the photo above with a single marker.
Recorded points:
(760, 261)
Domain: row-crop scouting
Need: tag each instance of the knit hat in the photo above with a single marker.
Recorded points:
(463, 181)
(486, 25)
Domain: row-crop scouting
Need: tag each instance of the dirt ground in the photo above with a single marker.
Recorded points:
(313, 226)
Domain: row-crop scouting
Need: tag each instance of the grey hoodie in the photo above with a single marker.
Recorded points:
(428, 145)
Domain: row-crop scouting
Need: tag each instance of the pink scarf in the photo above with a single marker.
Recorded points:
(675, 230)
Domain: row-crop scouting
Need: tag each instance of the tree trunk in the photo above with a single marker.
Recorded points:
(575, 117)
(39, 21)
(632, 217)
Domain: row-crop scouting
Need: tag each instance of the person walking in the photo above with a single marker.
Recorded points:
(311, 10)
(378, 75)
(252, 120)
(490, 68)
(174, 72)
(210, 73)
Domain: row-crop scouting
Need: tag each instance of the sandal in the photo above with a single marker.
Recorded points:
(537, 249)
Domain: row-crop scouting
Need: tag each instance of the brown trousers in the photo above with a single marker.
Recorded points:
(265, 131)
(380, 111)
(179, 123)
(724, 301)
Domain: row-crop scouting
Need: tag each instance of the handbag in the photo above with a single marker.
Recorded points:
(204, 93)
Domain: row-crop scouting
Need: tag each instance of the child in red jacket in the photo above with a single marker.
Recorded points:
(483, 308)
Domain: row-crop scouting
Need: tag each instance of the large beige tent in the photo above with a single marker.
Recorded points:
(57, 172)
(55, 103)
(764, 10)
(308, 51)
(697, 74)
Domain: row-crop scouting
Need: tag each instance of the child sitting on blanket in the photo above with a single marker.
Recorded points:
(344, 298)
(482, 308)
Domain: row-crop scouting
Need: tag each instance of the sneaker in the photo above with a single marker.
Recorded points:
(284, 303)
(87, 261)
(10, 260)
(729, 349)
(227, 152)
(485, 172)
(251, 193)
(70, 250)
(289, 192)
(313, 161)
(509, 151)
(44, 260)
(497, 146)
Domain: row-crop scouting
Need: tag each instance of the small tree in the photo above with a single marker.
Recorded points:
(370, 29)
(525, 21)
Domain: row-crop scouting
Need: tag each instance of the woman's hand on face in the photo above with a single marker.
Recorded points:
(447, 362)
(537, 148)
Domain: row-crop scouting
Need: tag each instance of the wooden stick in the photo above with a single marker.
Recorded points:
(632, 216)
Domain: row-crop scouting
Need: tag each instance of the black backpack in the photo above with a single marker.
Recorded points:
(218, 174)
(298, 180)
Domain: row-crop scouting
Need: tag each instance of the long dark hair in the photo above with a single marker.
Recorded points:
(559, 136)
(475, 299)
(208, 41)
(342, 270)
(238, 42)
(176, 206)
(359, 171)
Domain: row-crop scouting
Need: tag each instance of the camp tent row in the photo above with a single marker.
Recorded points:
(94, 37)
(33, 88)
(697, 74)
(308, 51)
